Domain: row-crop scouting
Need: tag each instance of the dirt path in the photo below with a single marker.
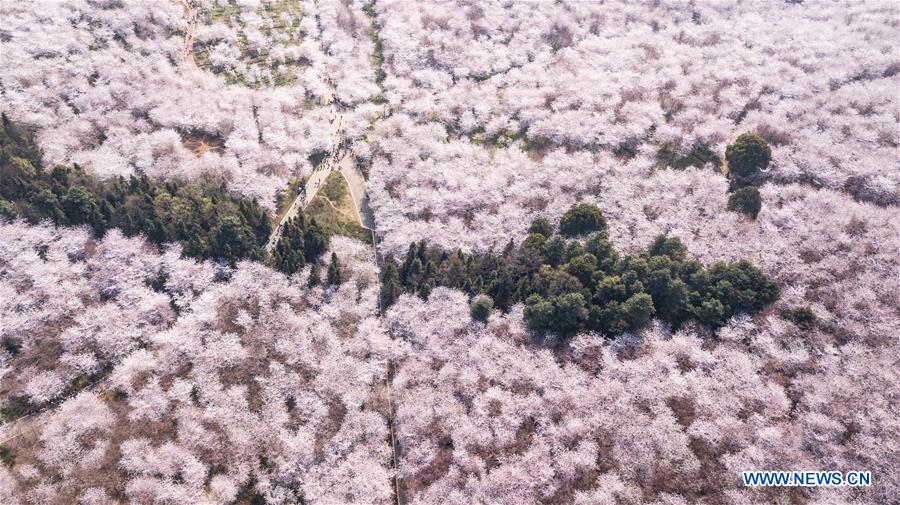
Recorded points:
(357, 184)
(339, 158)
(191, 11)
(344, 161)
(315, 182)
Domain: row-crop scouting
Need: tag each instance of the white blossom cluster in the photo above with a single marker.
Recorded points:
(105, 86)
(486, 417)
(225, 385)
(491, 98)
(259, 44)
(217, 389)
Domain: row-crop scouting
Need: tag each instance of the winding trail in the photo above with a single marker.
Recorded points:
(191, 12)
(339, 158)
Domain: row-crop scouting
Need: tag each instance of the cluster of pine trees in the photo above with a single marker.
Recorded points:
(202, 216)
(301, 241)
(581, 283)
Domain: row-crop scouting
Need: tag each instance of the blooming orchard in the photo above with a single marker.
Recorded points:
(506, 110)
(155, 378)
(107, 88)
(254, 385)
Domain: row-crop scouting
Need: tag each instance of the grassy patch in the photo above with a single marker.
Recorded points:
(333, 209)
(501, 139)
(337, 191)
(16, 407)
(7, 457)
(536, 148)
(377, 45)
(698, 156)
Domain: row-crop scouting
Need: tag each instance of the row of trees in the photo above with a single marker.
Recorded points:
(747, 157)
(203, 217)
(575, 285)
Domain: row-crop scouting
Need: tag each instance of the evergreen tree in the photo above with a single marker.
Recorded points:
(746, 201)
(555, 251)
(314, 277)
(602, 249)
(638, 309)
(481, 308)
(334, 277)
(582, 219)
(233, 240)
(535, 241)
(288, 255)
(747, 156)
(570, 313)
(539, 313)
(315, 241)
(542, 226)
(46, 204)
(411, 255)
(422, 251)
(81, 207)
(803, 317)
(665, 246)
(390, 283)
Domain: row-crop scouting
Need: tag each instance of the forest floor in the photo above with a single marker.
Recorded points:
(200, 144)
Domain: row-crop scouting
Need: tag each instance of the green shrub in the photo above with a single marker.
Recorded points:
(16, 407)
(334, 277)
(542, 226)
(315, 278)
(582, 219)
(535, 241)
(481, 308)
(803, 317)
(748, 155)
(746, 201)
(7, 457)
(7, 209)
(698, 156)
